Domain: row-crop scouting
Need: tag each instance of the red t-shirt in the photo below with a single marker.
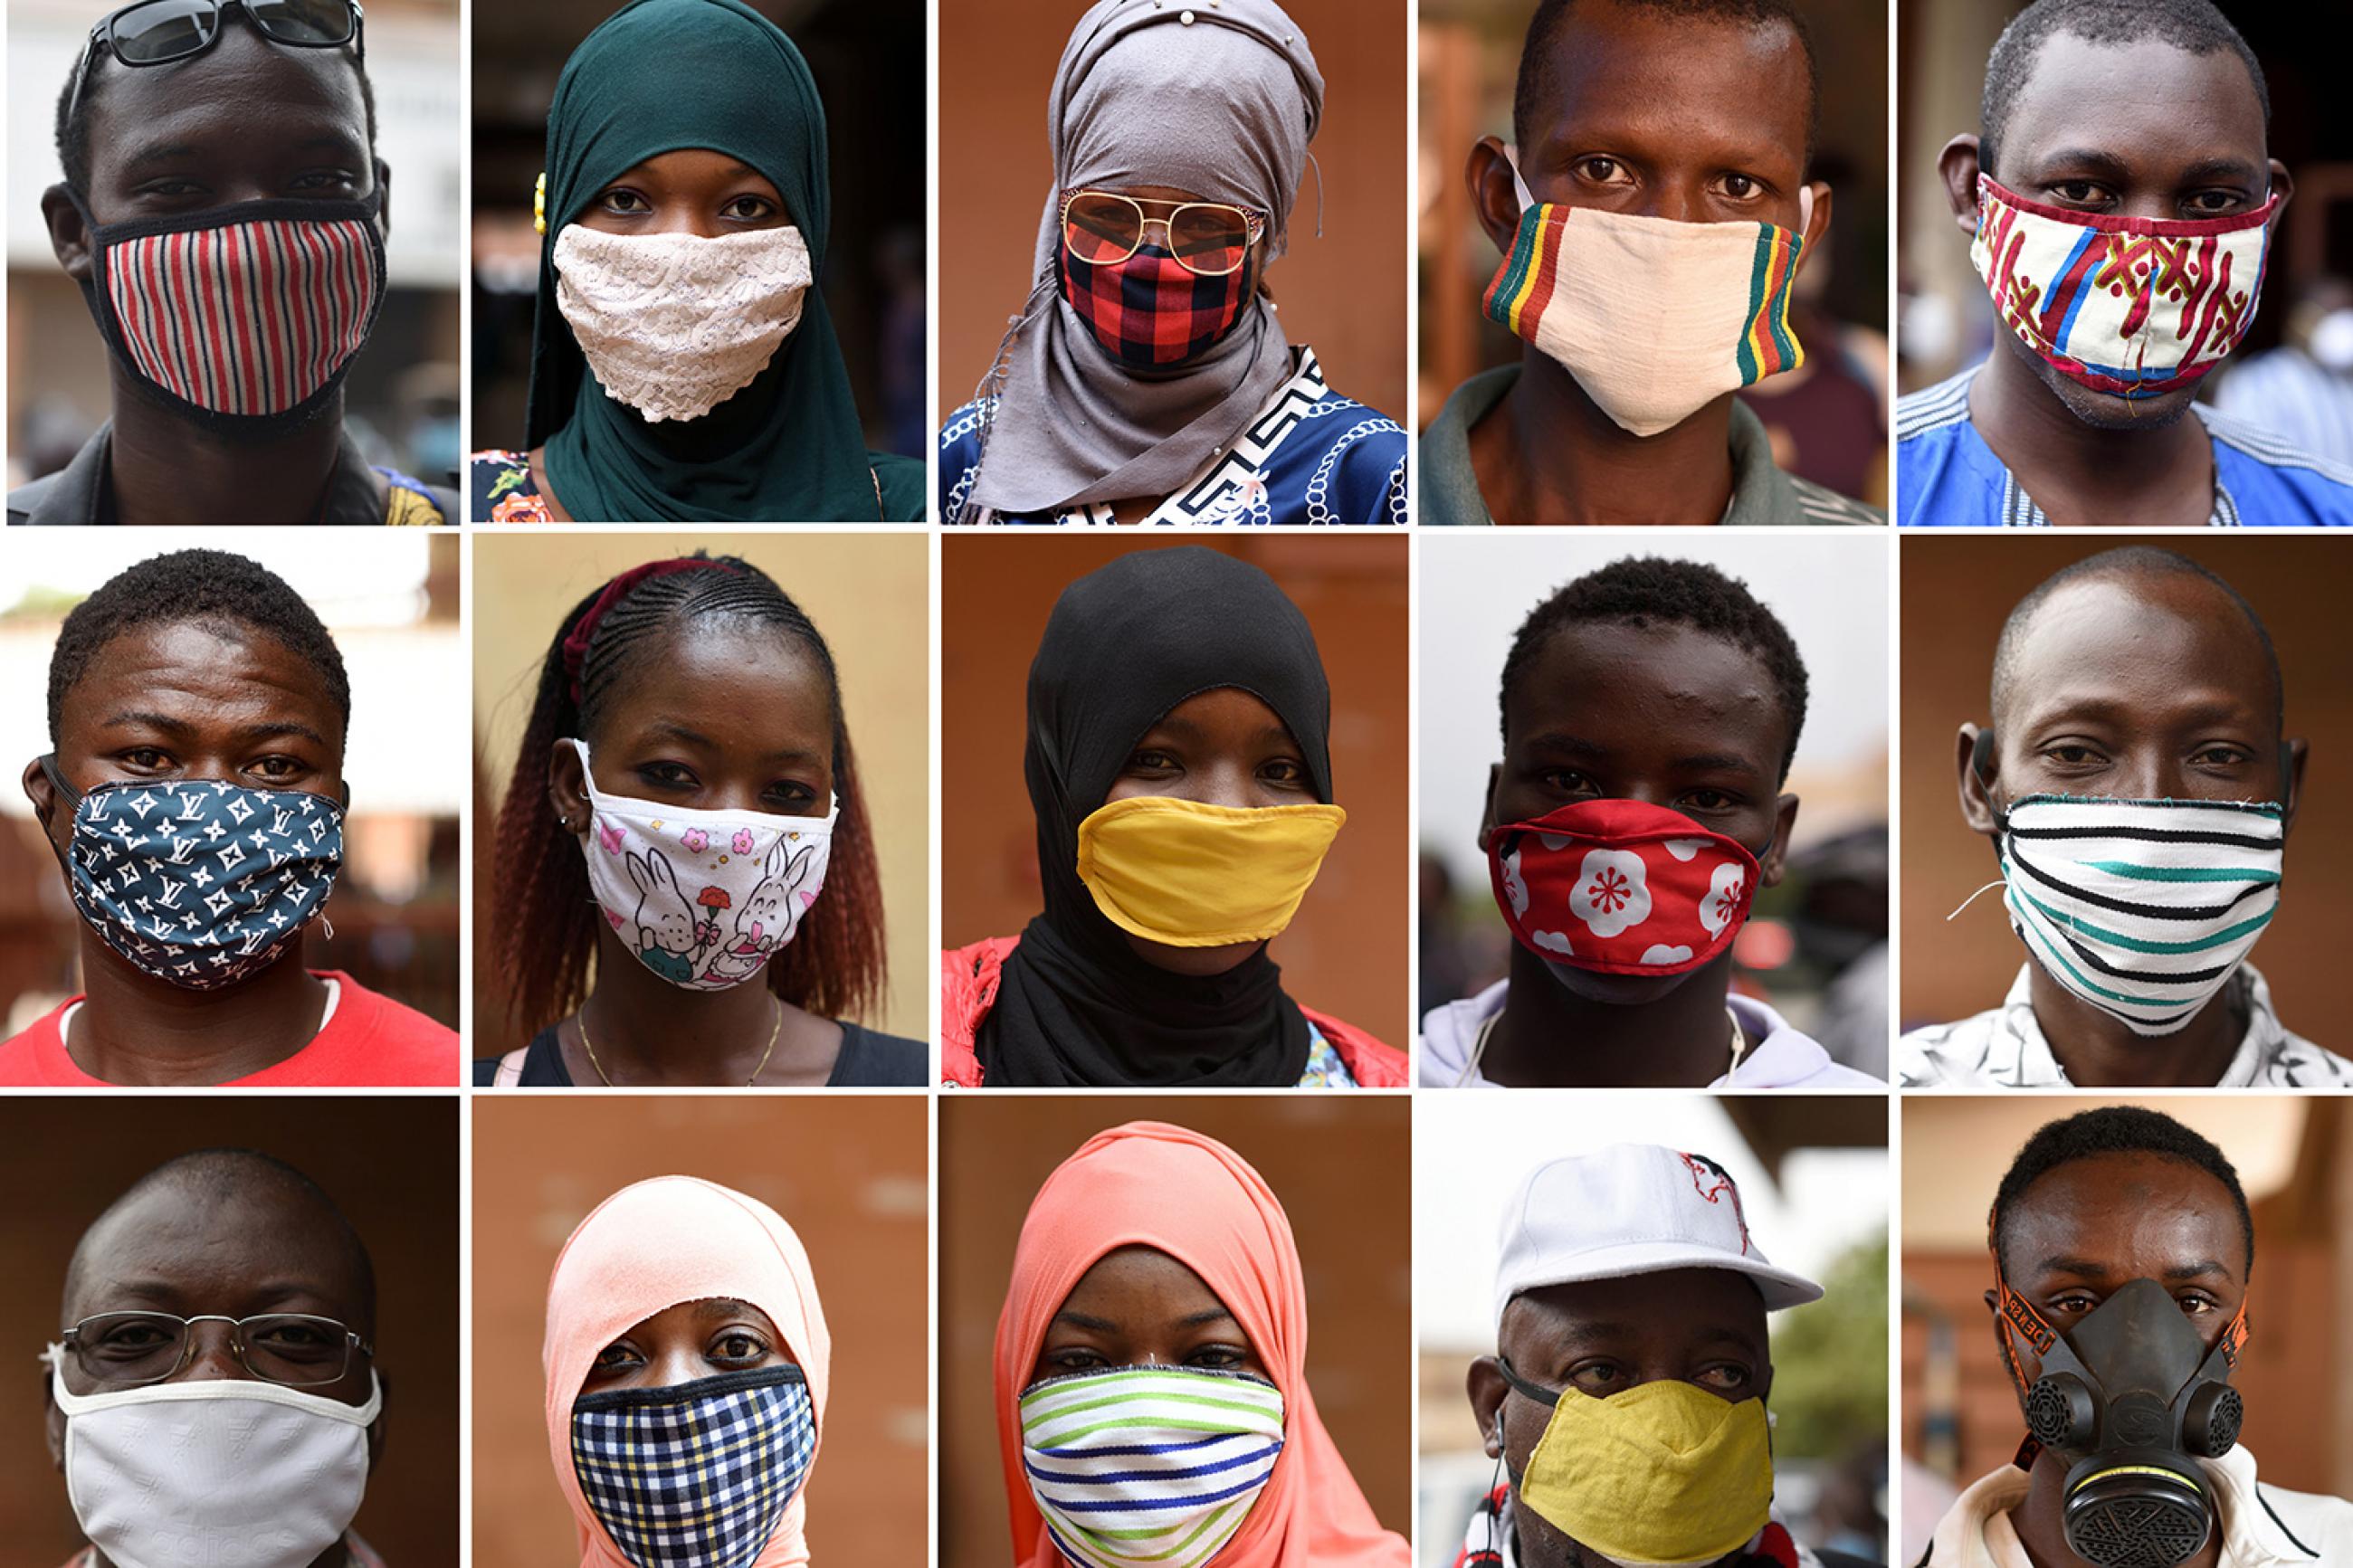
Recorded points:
(372, 1042)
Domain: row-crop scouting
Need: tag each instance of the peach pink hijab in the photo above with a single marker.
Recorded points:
(646, 1249)
(1151, 1184)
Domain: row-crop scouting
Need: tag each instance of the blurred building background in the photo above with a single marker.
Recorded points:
(1816, 946)
(1339, 1164)
(1344, 953)
(1957, 594)
(390, 1162)
(868, 594)
(1828, 417)
(867, 58)
(1947, 318)
(1813, 1181)
(1340, 293)
(401, 399)
(848, 1174)
(389, 597)
(2294, 1157)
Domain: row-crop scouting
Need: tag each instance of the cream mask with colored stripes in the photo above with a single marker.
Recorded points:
(1148, 1464)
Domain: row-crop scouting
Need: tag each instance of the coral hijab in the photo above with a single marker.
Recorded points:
(653, 1247)
(1151, 1184)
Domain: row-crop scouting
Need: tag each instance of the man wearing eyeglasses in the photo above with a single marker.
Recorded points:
(214, 1397)
(224, 213)
(1651, 216)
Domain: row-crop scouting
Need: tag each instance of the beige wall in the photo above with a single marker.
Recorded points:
(870, 594)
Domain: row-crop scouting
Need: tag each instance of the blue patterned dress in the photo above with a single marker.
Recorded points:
(1312, 456)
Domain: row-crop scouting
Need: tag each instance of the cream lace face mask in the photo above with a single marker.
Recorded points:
(675, 325)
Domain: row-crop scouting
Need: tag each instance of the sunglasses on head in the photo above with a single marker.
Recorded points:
(157, 31)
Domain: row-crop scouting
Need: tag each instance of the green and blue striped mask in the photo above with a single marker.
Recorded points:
(1148, 1467)
(2145, 908)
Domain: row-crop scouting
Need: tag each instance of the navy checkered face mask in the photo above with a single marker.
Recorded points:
(695, 1475)
(199, 881)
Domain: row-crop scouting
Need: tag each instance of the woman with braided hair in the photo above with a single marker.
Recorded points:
(684, 793)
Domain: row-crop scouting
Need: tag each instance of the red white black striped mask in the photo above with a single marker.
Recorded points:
(243, 315)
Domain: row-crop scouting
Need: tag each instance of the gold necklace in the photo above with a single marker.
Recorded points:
(580, 1022)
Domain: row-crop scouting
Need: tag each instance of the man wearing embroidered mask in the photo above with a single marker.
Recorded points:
(683, 365)
(224, 152)
(2137, 788)
(1650, 711)
(1624, 1405)
(194, 796)
(1147, 378)
(2122, 1248)
(214, 1395)
(1651, 213)
(2121, 205)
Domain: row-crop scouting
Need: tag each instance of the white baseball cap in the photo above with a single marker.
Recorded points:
(1632, 1208)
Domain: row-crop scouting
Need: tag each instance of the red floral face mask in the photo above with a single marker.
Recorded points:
(1622, 887)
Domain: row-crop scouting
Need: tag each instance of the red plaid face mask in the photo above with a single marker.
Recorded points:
(1148, 312)
(1622, 887)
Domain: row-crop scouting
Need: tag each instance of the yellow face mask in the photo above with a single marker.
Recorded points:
(1664, 1473)
(1189, 875)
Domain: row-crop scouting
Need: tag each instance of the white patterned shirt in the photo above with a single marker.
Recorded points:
(2004, 1047)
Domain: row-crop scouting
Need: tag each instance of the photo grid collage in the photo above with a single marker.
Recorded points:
(611, 954)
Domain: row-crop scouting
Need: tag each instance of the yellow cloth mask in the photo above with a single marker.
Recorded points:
(1663, 1473)
(1189, 875)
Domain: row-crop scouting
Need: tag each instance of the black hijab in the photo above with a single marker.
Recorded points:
(1127, 644)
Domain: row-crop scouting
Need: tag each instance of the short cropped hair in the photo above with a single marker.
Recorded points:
(193, 585)
(1648, 591)
(2192, 25)
(2114, 1130)
(1543, 27)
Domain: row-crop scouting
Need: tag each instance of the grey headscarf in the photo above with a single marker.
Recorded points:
(1215, 97)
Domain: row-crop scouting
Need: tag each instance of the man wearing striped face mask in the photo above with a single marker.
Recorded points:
(2138, 787)
(1651, 216)
(223, 214)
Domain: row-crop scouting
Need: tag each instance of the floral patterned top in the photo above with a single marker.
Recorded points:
(500, 488)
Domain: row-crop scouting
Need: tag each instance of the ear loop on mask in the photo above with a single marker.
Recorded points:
(1981, 750)
(1527, 199)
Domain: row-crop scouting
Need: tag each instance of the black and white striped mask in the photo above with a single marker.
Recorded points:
(2145, 908)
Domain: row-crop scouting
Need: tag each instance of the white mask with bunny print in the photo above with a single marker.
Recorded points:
(704, 899)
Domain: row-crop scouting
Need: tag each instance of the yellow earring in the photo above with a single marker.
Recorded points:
(538, 204)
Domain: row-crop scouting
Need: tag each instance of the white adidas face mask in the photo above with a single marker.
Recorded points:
(704, 899)
(2145, 908)
(1655, 318)
(226, 1473)
(675, 325)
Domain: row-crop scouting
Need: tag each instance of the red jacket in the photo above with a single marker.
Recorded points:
(969, 977)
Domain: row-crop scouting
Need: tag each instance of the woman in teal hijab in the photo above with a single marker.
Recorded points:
(683, 366)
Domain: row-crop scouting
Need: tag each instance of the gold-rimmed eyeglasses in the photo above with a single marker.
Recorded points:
(1210, 238)
(124, 1350)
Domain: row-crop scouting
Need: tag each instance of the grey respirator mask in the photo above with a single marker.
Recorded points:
(2131, 1399)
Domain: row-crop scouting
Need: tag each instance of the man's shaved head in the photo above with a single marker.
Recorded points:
(2137, 561)
(248, 1211)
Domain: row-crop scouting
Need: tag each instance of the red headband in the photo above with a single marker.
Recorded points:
(576, 643)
